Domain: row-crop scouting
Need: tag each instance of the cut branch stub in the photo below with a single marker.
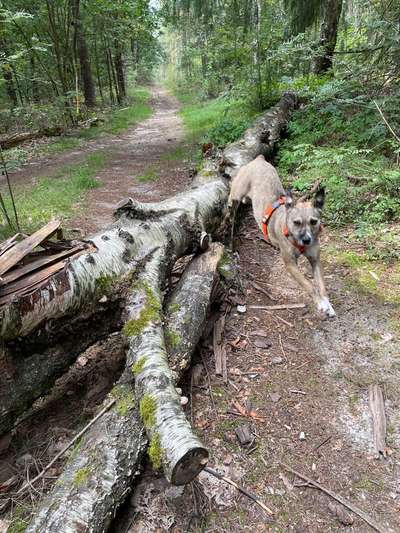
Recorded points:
(173, 445)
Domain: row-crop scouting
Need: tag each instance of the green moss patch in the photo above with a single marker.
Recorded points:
(147, 410)
(172, 338)
(155, 452)
(150, 312)
(125, 399)
(139, 365)
(81, 476)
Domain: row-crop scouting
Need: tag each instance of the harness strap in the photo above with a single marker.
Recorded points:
(269, 211)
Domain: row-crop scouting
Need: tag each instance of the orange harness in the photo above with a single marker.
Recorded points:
(269, 211)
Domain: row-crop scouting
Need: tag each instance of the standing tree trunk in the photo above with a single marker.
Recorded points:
(119, 68)
(82, 53)
(7, 74)
(332, 10)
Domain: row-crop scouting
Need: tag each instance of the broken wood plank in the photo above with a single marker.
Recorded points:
(18, 273)
(23, 286)
(278, 307)
(13, 256)
(9, 243)
(377, 407)
(219, 349)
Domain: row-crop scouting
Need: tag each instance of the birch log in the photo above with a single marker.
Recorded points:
(145, 241)
(261, 138)
(100, 472)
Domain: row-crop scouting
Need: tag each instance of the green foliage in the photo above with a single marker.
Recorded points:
(348, 147)
(56, 196)
(219, 121)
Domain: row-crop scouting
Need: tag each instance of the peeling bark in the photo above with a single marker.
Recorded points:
(260, 138)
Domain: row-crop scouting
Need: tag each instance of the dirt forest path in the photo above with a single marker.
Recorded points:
(142, 151)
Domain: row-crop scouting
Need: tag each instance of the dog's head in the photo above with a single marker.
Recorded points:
(304, 218)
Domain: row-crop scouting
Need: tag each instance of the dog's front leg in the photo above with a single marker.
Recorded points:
(293, 269)
(323, 303)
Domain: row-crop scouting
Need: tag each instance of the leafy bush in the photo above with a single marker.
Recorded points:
(350, 149)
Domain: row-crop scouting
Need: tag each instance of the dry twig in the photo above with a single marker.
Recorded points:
(387, 123)
(66, 448)
(278, 307)
(239, 488)
(362, 514)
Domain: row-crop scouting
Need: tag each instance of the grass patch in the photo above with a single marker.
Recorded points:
(120, 119)
(219, 121)
(56, 196)
(149, 174)
(180, 153)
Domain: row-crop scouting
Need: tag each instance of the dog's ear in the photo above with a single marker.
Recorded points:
(319, 198)
(288, 199)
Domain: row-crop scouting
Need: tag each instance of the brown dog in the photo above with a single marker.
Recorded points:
(294, 229)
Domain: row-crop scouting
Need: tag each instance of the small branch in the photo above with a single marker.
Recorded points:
(278, 307)
(240, 489)
(338, 498)
(387, 123)
(67, 447)
(9, 188)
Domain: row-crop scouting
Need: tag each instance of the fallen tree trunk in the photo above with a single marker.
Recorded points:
(100, 472)
(15, 139)
(260, 138)
(144, 242)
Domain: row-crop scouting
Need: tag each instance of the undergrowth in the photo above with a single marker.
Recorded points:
(219, 121)
(53, 197)
(350, 148)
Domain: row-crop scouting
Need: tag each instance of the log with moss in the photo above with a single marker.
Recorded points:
(102, 468)
(141, 246)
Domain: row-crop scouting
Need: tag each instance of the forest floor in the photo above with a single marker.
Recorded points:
(299, 382)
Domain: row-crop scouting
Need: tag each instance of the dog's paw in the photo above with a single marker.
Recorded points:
(325, 308)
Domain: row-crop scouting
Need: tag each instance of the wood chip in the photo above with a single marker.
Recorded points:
(244, 434)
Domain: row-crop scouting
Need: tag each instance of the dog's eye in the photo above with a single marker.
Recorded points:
(313, 221)
(297, 222)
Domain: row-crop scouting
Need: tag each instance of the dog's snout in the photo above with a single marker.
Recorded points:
(306, 239)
